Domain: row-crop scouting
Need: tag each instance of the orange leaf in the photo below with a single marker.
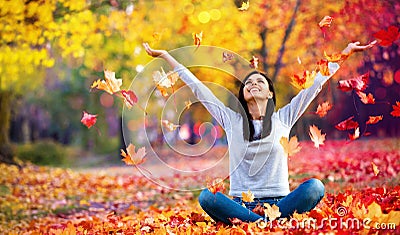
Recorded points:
(396, 109)
(338, 57)
(88, 119)
(245, 6)
(316, 136)
(325, 22)
(217, 185)
(254, 63)
(291, 147)
(131, 157)
(366, 99)
(374, 119)
(197, 37)
(323, 67)
(169, 125)
(323, 109)
(248, 197)
(305, 81)
(356, 134)
(272, 212)
(110, 84)
(375, 169)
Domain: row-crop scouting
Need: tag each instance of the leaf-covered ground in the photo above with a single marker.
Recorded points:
(44, 200)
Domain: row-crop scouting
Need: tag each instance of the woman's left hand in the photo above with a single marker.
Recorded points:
(355, 47)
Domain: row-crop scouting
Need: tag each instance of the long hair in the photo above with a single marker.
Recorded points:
(248, 127)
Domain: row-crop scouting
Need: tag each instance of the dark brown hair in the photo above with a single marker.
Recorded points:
(248, 127)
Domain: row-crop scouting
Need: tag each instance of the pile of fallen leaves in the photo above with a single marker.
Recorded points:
(43, 200)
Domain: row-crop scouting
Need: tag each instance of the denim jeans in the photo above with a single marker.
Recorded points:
(221, 208)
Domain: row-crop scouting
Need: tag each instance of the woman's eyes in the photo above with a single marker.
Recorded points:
(248, 83)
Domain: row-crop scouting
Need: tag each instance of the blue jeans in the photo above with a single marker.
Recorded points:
(221, 208)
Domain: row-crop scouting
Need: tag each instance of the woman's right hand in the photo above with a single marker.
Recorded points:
(152, 52)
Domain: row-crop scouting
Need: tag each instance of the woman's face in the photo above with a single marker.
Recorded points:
(256, 87)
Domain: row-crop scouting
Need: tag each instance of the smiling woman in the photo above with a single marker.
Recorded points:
(257, 160)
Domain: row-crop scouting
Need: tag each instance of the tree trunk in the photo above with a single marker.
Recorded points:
(288, 31)
(6, 151)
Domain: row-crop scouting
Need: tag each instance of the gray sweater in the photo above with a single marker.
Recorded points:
(260, 166)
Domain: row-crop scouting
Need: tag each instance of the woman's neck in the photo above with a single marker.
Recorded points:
(257, 109)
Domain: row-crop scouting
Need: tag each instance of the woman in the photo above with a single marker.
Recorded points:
(257, 160)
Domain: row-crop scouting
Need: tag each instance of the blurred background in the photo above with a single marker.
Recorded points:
(52, 51)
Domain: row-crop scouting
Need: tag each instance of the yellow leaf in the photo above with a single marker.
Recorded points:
(245, 6)
(248, 197)
(110, 84)
(375, 169)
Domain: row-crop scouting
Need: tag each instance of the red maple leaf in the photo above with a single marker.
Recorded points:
(358, 83)
(347, 124)
(396, 109)
(386, 38)
(89, 119)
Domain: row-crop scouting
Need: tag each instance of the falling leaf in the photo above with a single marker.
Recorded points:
(356, 134)
(374, 119)
(366, 99)
(217, 185)
(259, 209)
(245, 6)
(386, 38)
(305, 81)
(130, 98)
(298, 60)
(248, 197)
(226, 56)
(323, 109)
(197, 37)
(347, 124)
(188, 104)
(338, 57)
(254, 63)
(110, 84)
(291, 147)
(169, 125)
(272, 212)
(323, 67)
(316, 136)
(88, 119)
(165, 80)
(131, 157)
(375, 169)
(396, 109)
(358, 83)
(325, 22)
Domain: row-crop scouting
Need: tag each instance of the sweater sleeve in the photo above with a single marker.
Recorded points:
(290, 113)
(216, 108)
